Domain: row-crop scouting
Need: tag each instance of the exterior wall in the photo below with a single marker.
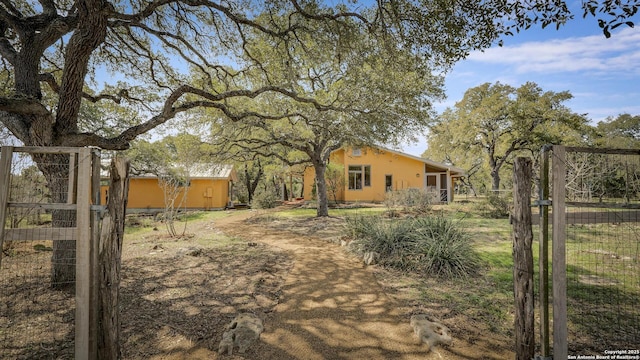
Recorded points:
(146, 193)
(406, 173)
(337, 157)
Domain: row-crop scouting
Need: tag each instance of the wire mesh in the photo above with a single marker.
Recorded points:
(602, 251)
(37, 299)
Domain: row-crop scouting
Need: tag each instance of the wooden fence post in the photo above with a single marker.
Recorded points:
(6, 155)
(95, 240)
(558, 254)
(543, 258)
(81, 178)
(523, 260)
(110, 255)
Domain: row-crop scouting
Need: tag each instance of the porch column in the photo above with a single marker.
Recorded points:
(449, 187)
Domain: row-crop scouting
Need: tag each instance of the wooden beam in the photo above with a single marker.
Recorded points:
(83, 256)
(559, 261)
(523, 260)
(47, 149)
(603, 205)
(602, 150)
(597, 217)
(38, 234)
(6, 155)
(43, 206)
(543, 254)
(95, 239)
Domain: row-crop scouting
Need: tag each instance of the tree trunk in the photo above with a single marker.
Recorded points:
(523, 260)
(110, 255)
(252, 184)
(321, 189)
(495, 180)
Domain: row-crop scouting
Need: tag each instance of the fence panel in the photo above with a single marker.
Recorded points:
(44, 296)
(596, 245)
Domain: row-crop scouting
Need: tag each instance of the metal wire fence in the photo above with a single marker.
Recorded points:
(37, 267)
(601, 234)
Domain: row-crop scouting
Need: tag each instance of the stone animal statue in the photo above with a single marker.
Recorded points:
(429, 332)
(226, 344)
(243, 331)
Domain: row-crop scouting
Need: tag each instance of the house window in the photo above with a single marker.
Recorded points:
(388, 183)
(367, 175)
(359, 176)
(356, 152)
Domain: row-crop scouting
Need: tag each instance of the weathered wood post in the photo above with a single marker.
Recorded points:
(543, 257)
(559, 253)
(523, 260)
(110, 255)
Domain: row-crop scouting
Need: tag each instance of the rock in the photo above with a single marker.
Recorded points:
(243, 331)
(429, 332)
(226, 344)
(190, 251)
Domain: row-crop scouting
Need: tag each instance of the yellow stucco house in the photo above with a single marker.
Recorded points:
(210, 188)
(370, 173)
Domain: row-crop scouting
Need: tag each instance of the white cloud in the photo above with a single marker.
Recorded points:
(576, 54)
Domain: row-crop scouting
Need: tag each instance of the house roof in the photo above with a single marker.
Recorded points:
(455, 171)
(196, 171)
(211, 171)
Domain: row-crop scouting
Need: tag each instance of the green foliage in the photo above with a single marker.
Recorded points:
(264, 199)
(621, 132)
(495, 205)
(433, 245)
(334, 175)
(413, 200)
(494, 123)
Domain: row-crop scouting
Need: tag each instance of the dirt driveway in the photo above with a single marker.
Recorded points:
(332, 307)
(316, 300)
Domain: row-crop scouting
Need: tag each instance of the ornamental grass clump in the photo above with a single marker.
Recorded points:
(431, 245)
(444, 247)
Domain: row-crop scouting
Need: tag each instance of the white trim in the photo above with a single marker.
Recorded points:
(439, 187)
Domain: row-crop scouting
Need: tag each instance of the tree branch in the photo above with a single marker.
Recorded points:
(117, 98)
(48, 7)
(8, 51)
(15, 124)
(23, 106)
(170, 110)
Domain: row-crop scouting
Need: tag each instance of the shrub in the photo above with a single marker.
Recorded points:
(431, 245)
(264, 200)
(445, 247)
(410, 200)
(391, 240)
(495, 206)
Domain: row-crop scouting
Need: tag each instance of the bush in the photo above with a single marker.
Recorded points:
(430, 245)
(495, 206)
(411, 200)
(445, 247)
(264, 200)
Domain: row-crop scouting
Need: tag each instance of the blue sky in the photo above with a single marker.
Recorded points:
(603, 75)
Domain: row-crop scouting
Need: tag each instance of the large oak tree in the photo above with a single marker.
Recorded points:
(494, 122)
(55, 54)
